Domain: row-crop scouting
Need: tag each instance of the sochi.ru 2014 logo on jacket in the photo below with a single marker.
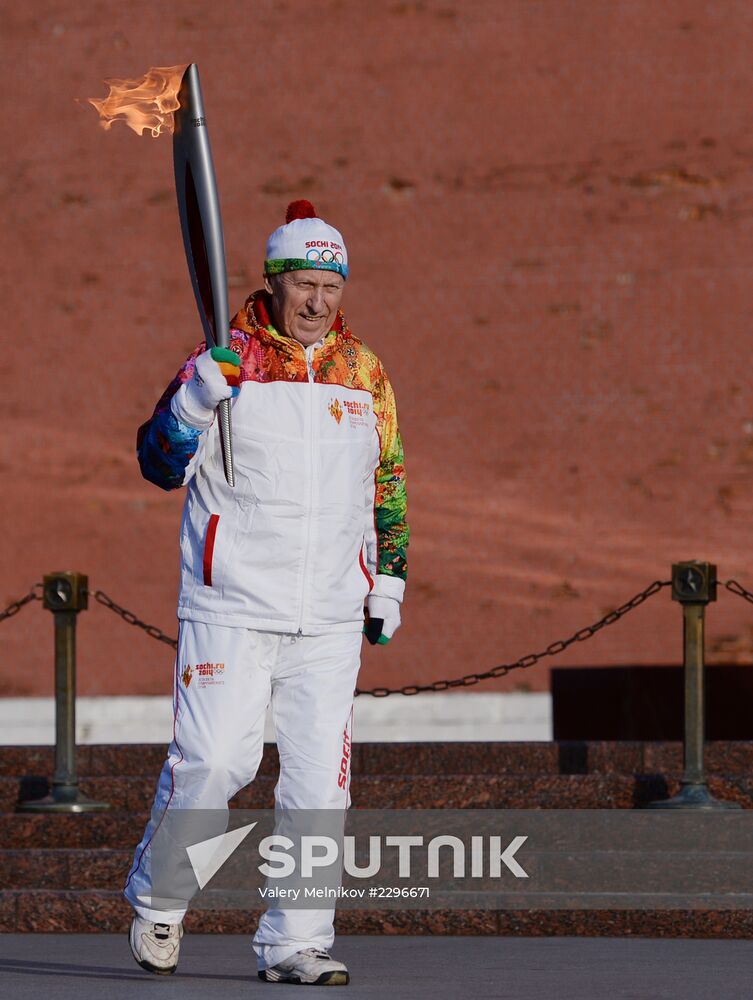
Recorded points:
(358, 412)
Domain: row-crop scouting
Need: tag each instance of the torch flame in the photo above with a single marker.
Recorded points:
(146, 102)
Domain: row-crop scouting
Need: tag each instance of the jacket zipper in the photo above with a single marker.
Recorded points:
(308, 353)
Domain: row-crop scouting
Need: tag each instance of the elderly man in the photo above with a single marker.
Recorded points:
(275, 572)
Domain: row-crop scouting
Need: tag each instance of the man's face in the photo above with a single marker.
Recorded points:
(305, 303)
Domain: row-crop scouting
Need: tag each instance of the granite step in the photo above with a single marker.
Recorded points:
(34, 831)
(129, 794)
(65, 868)
(64, 873)
(566, 757)
(99, 911)
(120, 829)
(453, 791)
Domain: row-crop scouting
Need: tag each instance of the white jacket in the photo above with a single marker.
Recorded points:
(316, 519)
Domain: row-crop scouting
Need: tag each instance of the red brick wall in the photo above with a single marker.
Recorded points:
(548, 207)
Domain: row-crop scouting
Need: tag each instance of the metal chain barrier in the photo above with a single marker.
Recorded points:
(737, 588)
(408, 689)
(130, 617)
(15, 606)
(443, 685)
(467, 680)
(525, 661)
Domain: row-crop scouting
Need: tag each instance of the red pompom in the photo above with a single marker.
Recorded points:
(300, 210)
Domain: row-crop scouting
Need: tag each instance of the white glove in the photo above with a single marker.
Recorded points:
(196, 400)
(383, 620)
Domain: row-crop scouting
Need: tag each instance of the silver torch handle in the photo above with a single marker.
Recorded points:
(201, 225)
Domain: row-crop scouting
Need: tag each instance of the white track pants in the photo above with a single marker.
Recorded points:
(218, 739)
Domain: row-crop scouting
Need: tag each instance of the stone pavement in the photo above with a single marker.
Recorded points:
(63, 966)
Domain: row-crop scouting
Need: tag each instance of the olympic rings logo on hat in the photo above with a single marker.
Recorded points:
(325, 256)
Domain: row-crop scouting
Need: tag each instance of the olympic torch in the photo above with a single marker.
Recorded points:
(201, 225)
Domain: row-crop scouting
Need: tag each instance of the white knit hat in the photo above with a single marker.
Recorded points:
(305, 242)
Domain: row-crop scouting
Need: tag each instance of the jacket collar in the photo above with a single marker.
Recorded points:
(255, 317)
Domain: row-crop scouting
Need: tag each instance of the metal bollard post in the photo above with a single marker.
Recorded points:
(65, 594)
(694, 586)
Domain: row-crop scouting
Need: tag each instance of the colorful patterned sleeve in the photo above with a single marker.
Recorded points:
(390, 499)
(167, 449)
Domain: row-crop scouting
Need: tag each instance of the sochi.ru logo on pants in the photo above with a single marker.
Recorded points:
(206, 674)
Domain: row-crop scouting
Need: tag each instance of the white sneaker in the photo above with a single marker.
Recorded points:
(155, 946)
(312, 966)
